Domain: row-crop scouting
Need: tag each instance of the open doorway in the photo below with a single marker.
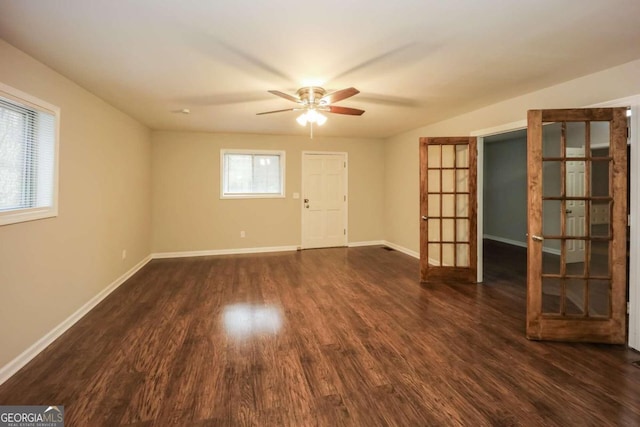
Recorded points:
(505, 188)
(504, 208)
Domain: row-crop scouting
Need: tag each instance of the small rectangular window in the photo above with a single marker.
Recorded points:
(252, 174)
(28, 151)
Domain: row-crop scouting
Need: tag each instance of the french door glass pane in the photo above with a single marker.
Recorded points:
(433, 201)
(448, 208)
(551, 295)
(550, 263)
(433, 181)
(434, 254)
(599, 262)
(448, 254)
(599, 298)
(551, 140)
(462, 205)
(551, 216)
(574, 299)
(551, 183)
(433, 156)
(448, 153)
(600, 178)
(462, 156)
(462, 255)
(434, 230)
(462, 230)
(447, 230)
(448, 181)
(462, 180)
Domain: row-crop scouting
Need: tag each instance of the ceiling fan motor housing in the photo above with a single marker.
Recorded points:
(311, 95)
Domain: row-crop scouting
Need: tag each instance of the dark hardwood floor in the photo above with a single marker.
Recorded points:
(323, 337)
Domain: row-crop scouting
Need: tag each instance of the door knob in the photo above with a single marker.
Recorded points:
(306, 200)
(537, 238)
(424, 217)
(568, 211)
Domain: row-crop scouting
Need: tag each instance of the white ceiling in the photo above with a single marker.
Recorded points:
(414, 61)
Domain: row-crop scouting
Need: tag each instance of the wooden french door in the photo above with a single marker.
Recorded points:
(448, 209)
(576, 264)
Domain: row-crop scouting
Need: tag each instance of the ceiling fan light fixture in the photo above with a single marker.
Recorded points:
(311, 116)
(320, 119)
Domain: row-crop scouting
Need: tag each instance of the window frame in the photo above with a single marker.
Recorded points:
(280, 153)
(30, 102)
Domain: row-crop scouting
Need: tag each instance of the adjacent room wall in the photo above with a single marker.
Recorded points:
(505, 189)
(188, 214)
(402, 208)
(50, 268)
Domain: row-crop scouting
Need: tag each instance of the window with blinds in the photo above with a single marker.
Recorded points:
(28, 142)
(247, 174)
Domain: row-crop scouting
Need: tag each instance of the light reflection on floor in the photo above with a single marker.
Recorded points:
(245, 320)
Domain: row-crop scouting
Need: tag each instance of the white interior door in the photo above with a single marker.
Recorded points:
(575, 209)
(324, 204)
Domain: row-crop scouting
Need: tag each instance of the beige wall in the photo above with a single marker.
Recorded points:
(49, 268)
(188, 214)
(401, 214)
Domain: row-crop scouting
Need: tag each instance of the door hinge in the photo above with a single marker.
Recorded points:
(345, 198)
(345, 231)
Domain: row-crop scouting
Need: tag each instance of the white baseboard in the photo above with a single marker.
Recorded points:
(25, 357)
(401, 249)
(520, 244)
(505, 240)
(369, 243)
(160, 255)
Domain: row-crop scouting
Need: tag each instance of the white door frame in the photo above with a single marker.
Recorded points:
(345, 155)
(634, 191)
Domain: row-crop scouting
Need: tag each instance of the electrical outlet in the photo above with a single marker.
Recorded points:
(242, 234)
(124, 254)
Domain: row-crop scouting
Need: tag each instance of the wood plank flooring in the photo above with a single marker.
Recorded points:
(325, 337)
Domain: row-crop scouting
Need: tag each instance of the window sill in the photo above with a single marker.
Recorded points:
(252, 196)
(24, 215)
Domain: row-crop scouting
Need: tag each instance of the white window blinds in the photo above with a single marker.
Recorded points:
(27, 161)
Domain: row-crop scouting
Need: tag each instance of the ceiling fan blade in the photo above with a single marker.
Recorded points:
(339, 95)
(284, 95)
(344, 110)
(277, 111)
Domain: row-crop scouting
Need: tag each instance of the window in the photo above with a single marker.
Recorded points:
(249, 173)
(28, 151)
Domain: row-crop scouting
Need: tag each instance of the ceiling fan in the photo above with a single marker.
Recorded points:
(314, 100)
